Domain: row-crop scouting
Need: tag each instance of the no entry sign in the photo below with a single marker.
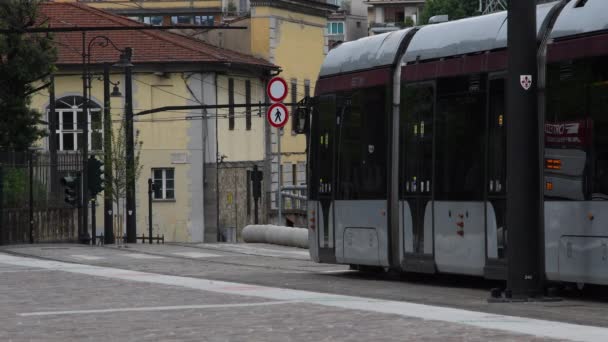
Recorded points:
(277, 115)
(277, 89)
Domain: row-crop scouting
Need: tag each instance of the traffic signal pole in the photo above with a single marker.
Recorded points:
(524, 192)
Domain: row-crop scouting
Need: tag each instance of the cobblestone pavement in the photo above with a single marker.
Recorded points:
(43, 300)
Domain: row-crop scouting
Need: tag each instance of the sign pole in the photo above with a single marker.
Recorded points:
(524, 192)
(280, 196)
(277, 116)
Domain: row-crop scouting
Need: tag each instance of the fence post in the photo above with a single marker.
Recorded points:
(93, 222)
(1, 205)
(30, 157)
(150, 192)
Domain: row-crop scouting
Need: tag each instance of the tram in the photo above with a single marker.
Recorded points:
(407, 153)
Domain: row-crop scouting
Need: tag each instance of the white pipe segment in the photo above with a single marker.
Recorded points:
(277, 235)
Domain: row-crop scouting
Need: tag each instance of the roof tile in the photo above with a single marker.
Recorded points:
(148, 46)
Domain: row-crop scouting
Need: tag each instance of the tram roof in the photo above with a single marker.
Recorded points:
(365, 53)
(581, 20)
(465, 36)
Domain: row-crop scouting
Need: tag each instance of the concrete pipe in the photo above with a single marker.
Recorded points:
(277, 235)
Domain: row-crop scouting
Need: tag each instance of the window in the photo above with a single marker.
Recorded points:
(69, 118)
(182, 19)
(204, 20)
(460, 139)
(416, 140)
(231, 103)
(576, 130)
(334, 28)
(164, 184)
(321, 162)
(306, 88)
(248, 102)
(294, 99)
(362, 136)
(153, 20)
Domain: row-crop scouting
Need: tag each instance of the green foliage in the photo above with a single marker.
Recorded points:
(456, 9)
(409, 22)
(230, 8)
(26, 61)
(15, 186)
(117, 188)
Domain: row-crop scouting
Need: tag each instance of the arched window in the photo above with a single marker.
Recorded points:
(69, 119)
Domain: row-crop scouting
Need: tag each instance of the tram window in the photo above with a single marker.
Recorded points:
(416, 139)
(460, 139)
(577, 125)
(598, 109)
(363, 139)
(321, 165)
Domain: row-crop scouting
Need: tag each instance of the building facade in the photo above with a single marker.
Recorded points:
(348, 23)
(388, 15)
(164, 12)
(178, 149)
(291, 34)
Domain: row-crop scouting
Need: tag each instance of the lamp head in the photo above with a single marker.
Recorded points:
(115, 91)
(125, 58)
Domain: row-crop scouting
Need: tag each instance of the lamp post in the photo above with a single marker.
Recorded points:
(125, 61)
(100, 41)
(108, 207)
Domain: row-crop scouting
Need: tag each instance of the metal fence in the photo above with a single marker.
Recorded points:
(32, 207)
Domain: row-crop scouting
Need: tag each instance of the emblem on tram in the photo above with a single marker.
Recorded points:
(371, 148)
(525, 81)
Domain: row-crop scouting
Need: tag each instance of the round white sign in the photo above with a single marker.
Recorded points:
(277, 89)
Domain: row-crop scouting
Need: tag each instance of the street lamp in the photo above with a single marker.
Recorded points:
(99, 41)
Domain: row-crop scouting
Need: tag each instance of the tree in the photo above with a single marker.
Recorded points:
(118, 184)
(26, 61)
(456, 9)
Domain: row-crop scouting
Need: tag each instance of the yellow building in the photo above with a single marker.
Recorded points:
(179, 148)
(291, 34)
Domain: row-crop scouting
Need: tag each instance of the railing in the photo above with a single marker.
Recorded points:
(294, 197)
(32, 207)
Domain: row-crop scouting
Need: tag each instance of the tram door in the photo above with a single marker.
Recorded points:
(416, 176)
(323, 175)
(496, 230)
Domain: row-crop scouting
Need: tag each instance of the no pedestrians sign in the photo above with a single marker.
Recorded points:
(277, 115)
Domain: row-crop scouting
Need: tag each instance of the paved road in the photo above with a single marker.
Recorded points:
(256, 293)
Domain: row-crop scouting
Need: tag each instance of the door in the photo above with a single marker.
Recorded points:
(496, 230)
(416, 176)
(324, 173)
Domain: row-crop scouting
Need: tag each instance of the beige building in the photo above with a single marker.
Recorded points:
(291, 34)
(391, 15)
(179, 148)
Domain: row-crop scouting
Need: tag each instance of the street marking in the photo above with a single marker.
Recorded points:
(150, 308)
(513, 324)
(143, 256)
(195, 255)
(85, 257)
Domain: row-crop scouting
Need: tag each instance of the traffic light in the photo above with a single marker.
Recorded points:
(95, 176)
(256, 180)
(72, 190)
